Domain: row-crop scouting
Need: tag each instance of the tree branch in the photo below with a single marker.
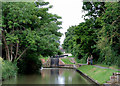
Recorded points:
(115, 20)
(22, 53)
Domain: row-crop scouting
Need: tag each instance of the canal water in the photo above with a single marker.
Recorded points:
(49, 76)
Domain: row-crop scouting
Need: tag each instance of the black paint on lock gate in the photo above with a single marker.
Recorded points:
(54, 62)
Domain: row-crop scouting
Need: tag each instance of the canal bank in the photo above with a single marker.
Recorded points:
(94, 75)
(98, 74)
(88, 78)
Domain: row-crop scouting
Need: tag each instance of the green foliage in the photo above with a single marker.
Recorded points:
(94, 9)
(80, 43)
(30, 63)
(29, 25)
(41, 57)
(82, 61)
(59, 52)
(29, 31)
(9, 69)
(69, 41)
(108, 36)
(99, 35)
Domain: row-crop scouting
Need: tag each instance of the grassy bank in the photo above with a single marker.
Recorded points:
(9, 69)
(101, 75)
(66, 61)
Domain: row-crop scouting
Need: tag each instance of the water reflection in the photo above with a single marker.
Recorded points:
(61, 80)
(50, 76)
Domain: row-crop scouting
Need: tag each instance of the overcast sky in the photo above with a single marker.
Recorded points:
(70, 11)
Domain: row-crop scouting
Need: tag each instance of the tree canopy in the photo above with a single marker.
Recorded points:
(99, 35)
(28, 26)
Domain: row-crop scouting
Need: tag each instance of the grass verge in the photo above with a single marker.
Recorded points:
(101, 75)
(66, 61)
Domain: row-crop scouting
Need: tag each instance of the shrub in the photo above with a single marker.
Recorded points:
(30, 64)
(8, 69)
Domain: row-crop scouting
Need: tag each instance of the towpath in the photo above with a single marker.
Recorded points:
(73, 61)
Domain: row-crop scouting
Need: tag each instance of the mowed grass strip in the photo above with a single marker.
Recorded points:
(98, 74)
(66, 61)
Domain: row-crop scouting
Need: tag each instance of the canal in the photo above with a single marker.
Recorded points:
(49, 76)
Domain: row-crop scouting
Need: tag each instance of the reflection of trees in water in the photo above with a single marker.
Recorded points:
(61, 80)
(0, 50)
(42, 74)
(61, 71)
(62, 76)
(51, 72)
(51, 76)
(57, 71)
(54, 72)
(45, 73)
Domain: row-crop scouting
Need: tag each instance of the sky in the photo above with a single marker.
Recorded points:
(70, 11)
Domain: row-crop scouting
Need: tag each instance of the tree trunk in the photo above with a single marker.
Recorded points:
(6, 47)
(17, 46)
(11, 50)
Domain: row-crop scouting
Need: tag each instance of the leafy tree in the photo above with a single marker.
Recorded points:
(29, 26)
(93, 9)
(98, 35)
(68, 42)
(80, 43)
(109, 35)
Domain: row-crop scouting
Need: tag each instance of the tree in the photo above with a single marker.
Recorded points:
(109, 34)
(99, 34)
(26, 26)
(94, 9)
(68, 42)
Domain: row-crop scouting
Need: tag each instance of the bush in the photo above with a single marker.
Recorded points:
(81, 61)
(9, 69)
(30, 64)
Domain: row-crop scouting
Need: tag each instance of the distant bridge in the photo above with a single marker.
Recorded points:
(58, 56)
